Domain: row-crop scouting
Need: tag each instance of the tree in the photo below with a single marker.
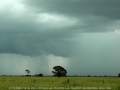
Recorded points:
(39, 75)
(27, 71)
(119, 75)
(59, 71)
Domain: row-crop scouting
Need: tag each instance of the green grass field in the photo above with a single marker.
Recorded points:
(62, 83)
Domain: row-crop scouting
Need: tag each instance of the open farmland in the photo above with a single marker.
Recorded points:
(63, 83)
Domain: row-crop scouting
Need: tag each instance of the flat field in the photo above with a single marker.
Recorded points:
(62, 83)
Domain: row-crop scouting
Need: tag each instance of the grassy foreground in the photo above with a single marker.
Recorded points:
(63, 83)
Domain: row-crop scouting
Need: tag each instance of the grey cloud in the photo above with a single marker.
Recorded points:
(16, 64)
(109, 9)
(35, 44)
(96, 54)
(24, 36)
(92, 16)
(80, 31)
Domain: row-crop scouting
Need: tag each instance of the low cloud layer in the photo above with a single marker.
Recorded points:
(16, 64)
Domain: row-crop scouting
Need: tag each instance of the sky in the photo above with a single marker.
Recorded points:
(83, 36)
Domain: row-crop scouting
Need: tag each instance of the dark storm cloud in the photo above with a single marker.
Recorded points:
(24, 37)
(92, 16)
(34, 44)
(49, 26)
(105, 8)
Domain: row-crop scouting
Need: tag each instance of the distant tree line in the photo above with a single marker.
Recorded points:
(59, 71)
(64, 76)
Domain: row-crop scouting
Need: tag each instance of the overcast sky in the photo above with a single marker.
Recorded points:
(83, 36)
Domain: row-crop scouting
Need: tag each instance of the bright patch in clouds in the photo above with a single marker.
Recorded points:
(13, 7)
(117, 31)
(17, 9)
(53, 20)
